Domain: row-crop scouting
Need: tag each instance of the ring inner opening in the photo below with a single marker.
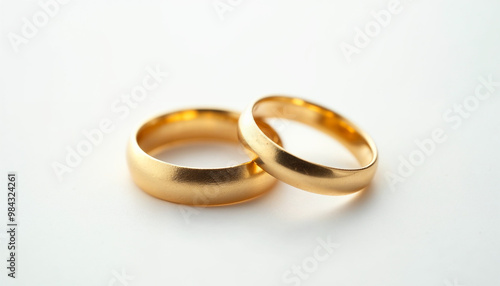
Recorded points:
(188, 125)
(319, 118)
(176, 134)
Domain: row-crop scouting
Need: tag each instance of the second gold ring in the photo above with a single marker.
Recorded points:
(296, 171)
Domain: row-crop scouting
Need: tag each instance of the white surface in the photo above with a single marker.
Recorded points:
(437, 227)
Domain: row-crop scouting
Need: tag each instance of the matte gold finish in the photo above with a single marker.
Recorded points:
(194, 186)
(298, 172)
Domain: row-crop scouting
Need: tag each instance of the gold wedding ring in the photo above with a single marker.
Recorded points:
(195, 186)
(298, 172)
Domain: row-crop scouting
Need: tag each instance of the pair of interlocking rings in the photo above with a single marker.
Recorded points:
(270, 161)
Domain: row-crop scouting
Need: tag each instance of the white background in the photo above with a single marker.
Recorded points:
(438, 225)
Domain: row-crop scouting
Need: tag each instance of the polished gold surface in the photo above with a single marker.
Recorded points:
(194, 186)
(298, 172)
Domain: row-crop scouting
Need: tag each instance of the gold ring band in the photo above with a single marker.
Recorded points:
(298, 172)
(194, 186)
